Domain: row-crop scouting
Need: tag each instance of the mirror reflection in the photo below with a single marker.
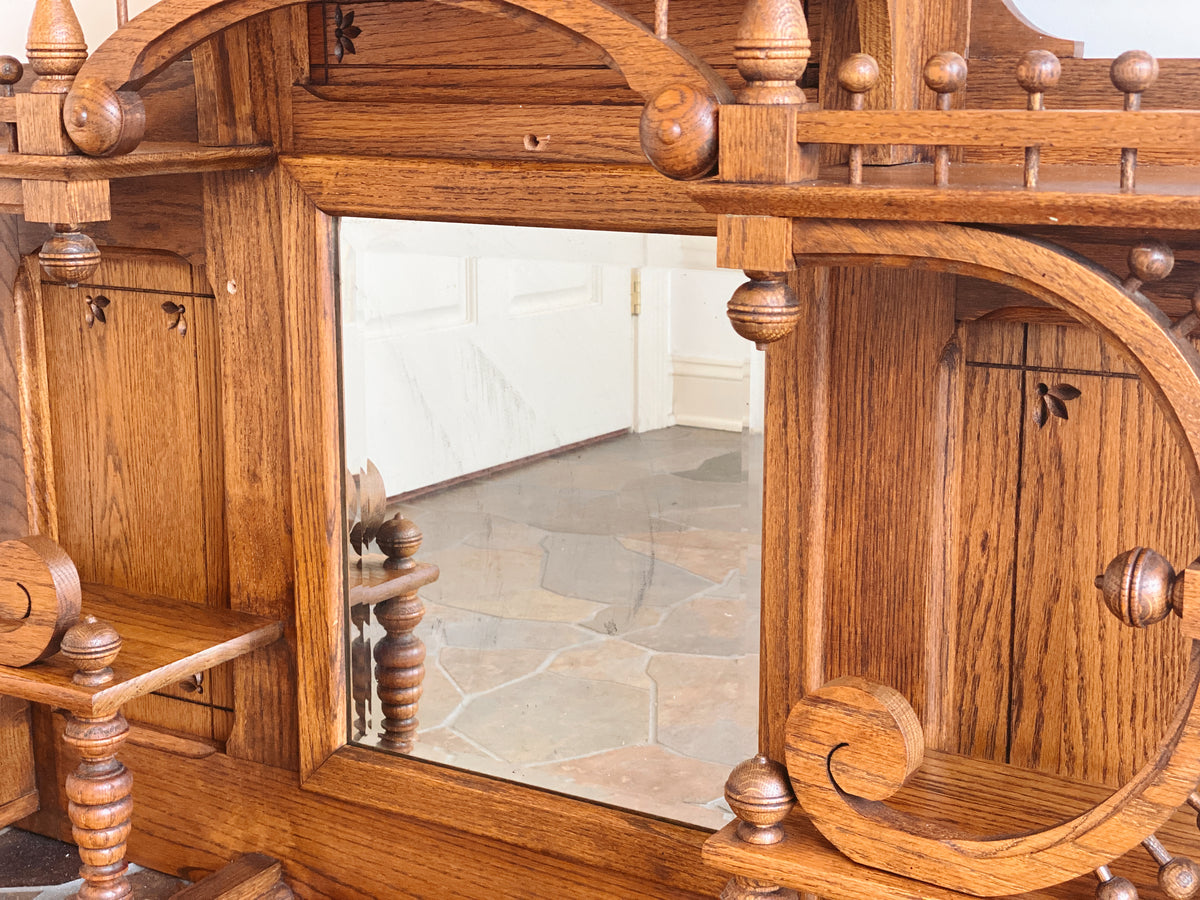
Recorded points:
(561, 422)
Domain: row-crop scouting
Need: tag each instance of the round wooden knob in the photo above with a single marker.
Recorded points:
(1133, 71)
(858, 73)
(399, 539)
(764, 309)
(946, 72)
(11, 70)
(1179, 879)
(760, 794)
(39, 599)
(1038, 70)
(101, 121)
(1138, 587)
(1151, 260)
(678, 132)
(93, 646)
(1116, 888)
(69, 256)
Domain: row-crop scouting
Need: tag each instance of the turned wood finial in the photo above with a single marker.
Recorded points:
(678, 131)
(1037, 71)
(93, 646)
(945, 74)
(772, 50)
(399, 539)
(1132, 73)
(11, 72)
(56, 46)
(1149, 260)
(857, 74)
(69, 256)
(1140, 587)
(1178, 876)
(764, 309)
(1114, 887)
(760, 794)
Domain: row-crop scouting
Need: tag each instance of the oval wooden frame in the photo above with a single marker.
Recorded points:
(872, 833)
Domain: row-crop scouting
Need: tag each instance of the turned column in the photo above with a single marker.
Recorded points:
(400, 656)
(100, 788)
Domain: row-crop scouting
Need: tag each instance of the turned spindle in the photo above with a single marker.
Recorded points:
(1114, 887)
(11, 72)
(100, 789)
(360, 669)
(400, 656)
(1140, 588)
(1149, 260)
(772, 50)
(69, 256)
(760, 795)
(1193, 801)
(1132, 73)
(662, 14)
(945, 74)
(1037, 71)
(764, 309)
(1178, 876)
(857, 74)
(740, 887)
(56, 47)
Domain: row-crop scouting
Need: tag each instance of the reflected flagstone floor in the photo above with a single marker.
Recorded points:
(33, 867)
(595, 627)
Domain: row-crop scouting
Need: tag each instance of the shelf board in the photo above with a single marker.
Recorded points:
(147, 159)
(985, 797)
(370, 582)
(1167, 197)
(164, 642)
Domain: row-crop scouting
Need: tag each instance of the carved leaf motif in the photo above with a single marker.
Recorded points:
(1052, 401)
(1039, 414)
(98, 312)
(1056, 407)
(1064, 391)
(348, 44)
(101, 301)
(170, 308)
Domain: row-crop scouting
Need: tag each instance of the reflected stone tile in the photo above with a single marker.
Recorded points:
(666, 493)
(707, 708)
(621, 618)
(612, 660)
(459, 628)
(475, 670)
(727, 467)
(572, 472)
(735, 587)
(438, 700)
(715, 518)
(706, 625)
(552, 717)
(441, 528)
(444, 745)
(477, 579)
(647, 777)
(710, 554)
(498, 533)
(599, 568)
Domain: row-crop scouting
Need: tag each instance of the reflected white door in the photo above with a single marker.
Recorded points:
(469, 346)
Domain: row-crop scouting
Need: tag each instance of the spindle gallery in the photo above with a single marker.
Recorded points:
(967, 253)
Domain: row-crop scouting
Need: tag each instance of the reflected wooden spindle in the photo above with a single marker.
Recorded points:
(1037, 71)
(400, 656)
(764, 309)
(1132, 73)
(1178, 876)
(1149, 260)
(100, 789)
(857, 74)
(1114, 887)
(945, 74)
(11, 72)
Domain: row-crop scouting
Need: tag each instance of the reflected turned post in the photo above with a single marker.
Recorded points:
(400, 656)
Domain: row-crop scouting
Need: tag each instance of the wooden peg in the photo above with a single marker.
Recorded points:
(1037, 70)
(760, 794)
(400, 656)
(1114, 887)
(1132, 73)
(945, 74)
(764, 309)
(1178, 876)
(1188, 323)
(857, 74)
(662, 13)
(1149, 260)
(1140, 587)
(11, 72)
(772, 50)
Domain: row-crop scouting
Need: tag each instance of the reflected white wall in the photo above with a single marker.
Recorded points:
(98, 18)
(1166, 28)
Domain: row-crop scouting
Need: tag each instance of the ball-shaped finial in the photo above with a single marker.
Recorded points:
(1116, 888)
(946, 72)
(1038, 70)
(11, 70)
(101, 121)
(858, 73)
(760, 794)
(1133, 71)
(1151, 260)
(764, 310)
(92, 646)
(679, 132)
(1138, 587)
(69, 256)
(1179, 879)
(399, 539)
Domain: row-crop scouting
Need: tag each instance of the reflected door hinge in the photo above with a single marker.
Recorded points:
(635, 292)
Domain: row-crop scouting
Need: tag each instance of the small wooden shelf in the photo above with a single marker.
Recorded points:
(371, 583)
(164, 641)
(148, 159)
(953, 790)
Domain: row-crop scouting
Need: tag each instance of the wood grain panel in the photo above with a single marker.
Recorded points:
(1091, 697)
(13, 514)
(18, 789)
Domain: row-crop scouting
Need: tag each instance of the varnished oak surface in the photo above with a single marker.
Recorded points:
(370, 582)
(148, 159)
(164, 642)
(1166, 197)
(952, 790)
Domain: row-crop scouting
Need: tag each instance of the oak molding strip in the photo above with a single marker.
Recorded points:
(148, 159)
